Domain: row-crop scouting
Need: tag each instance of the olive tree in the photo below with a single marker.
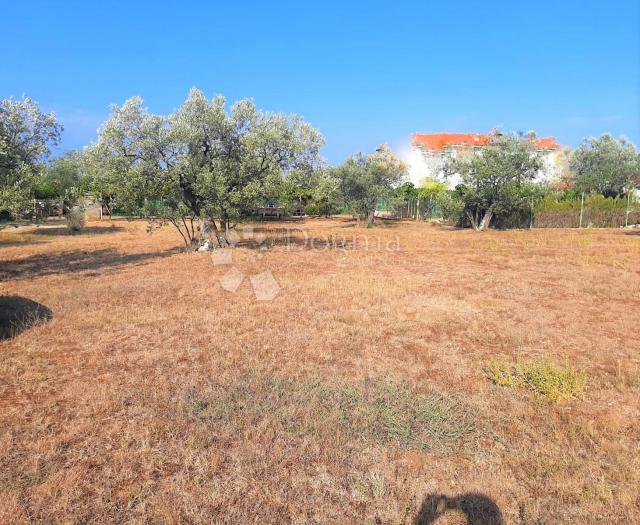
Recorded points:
(202, 163)
(365, 180)
(26, 137)
(494, 179)
(605, 165)
(63, 179)
(327, 196)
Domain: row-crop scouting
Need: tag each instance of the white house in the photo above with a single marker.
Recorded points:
(429, 152)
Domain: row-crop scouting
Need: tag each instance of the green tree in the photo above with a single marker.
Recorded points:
(26, 137)
(365, 180)
(494, 179)
(63, 179)
(428, 193)
(450, 205)
(327, 195)
(200, 163)
(406, 192)
(431, 187)
(606, 165)
(295, 189)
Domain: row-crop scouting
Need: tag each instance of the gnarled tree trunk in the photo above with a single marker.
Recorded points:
(214, 234)
(477, 223)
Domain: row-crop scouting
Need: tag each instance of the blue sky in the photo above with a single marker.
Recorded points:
(362, 72)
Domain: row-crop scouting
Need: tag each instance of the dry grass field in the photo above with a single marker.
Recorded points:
(358, 395)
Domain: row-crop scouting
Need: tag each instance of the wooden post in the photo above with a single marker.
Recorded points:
(418, 209)
(626, 213)
(581, 209)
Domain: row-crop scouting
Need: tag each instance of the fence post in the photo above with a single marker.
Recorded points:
(626, 213)
(581, 209)
(531, 220)
(418, 209)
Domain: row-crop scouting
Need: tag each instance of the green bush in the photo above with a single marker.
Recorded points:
(451, 206)
(541, 375)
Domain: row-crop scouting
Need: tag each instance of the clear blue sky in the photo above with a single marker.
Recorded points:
(363, 73)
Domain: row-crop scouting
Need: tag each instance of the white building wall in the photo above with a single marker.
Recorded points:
(423, 164)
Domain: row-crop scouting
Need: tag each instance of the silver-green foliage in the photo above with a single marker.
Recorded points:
(365, 180)
(495, 180)
(606, 165)
(26, 137)
(203, 161)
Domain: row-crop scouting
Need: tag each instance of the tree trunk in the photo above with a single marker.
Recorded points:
(484, 224)
(472, 220)
(210, 231)
(371, 216)
(204, 237)
(480, 225)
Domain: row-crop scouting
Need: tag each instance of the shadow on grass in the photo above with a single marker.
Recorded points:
(18, 314)
(72, 262)
(477, 508)
(20, 241)
(88, 230)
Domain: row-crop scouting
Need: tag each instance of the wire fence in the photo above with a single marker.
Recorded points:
(587, 212)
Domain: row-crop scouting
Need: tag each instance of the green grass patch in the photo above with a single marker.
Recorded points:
(381, 412)
(541, 375)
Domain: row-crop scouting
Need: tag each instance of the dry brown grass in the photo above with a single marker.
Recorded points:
(155, 396)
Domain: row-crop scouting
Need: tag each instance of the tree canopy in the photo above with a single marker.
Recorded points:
(201, 163)
(606, 165)
(494, 180)
(63, 179)
(365, 180)
(26, 137)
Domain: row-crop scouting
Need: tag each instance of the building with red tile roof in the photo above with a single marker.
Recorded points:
(429, 151)
(439, 142)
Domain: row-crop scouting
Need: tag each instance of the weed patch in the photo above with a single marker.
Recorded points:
(542, 376)
(377, 412)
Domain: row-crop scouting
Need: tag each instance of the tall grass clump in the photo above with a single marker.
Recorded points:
(541, 376)
(76, 219)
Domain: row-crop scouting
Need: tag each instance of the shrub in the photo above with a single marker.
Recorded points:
(451, 206)
(541, 375)
(76, 219)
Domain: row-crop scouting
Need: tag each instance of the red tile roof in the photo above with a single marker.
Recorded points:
(547, 143)
(439, 141)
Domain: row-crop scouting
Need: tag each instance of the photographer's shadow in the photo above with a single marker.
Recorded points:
(477, 508)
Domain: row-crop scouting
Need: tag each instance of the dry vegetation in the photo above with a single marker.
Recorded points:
(358, 395)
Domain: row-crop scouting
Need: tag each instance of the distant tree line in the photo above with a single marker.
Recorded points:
(207, 165)
(498, 184)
